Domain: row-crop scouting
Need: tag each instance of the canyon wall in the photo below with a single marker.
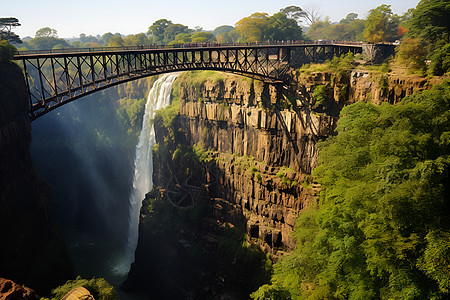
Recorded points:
(280, 139)
(32, 251)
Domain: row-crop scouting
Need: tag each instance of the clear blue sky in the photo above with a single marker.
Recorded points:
(70, 18)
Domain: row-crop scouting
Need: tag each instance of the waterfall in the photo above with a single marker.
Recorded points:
(158, 97)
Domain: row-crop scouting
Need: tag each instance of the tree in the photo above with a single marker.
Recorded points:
(381, 25)
(7, 51)
(349, 18)
(171, 31)
(279, 27)
(106, 37)
(312, 13)
(440, 59)
(429, 21)
(115, 41)
(46, 32)
(252, 28)
(294, 12)
(46, 43)
(136, 39)
(349, 29)
(157, 29)
(320, 30)
(6, 25)
(412, 54)
(222, 29)
(228, 37)
(203, 37)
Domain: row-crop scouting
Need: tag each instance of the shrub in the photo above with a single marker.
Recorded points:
(98, 287)
(440, 60)
(320, 94)
(7, 51)
(412, 53)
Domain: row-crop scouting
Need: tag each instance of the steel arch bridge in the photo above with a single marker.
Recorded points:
(57, 77)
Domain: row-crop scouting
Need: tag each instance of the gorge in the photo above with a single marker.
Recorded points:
(241, 153)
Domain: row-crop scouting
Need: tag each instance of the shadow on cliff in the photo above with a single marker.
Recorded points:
(32, 252)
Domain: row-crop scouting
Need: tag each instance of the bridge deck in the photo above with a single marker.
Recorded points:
(59, 76)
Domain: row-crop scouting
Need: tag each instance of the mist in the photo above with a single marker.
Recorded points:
(83, 152)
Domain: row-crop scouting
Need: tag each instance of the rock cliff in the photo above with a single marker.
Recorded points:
(32, 253)
(228, 117)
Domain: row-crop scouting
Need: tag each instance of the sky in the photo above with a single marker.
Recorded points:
(92, 17)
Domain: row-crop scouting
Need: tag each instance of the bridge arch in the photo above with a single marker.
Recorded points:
(57, 77)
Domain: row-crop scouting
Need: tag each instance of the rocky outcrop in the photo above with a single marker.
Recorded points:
(31, 251)
(9, 290)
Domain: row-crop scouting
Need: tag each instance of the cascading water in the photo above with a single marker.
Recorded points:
(159, 97)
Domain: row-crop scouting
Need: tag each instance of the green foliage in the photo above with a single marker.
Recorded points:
(440, 59)
(294, 12)
(98, 287)
(320, 94)
(157, 29)
(281, 28)
(46, 32)
(381, 230)
(429, 21)
(384, 68)
(252, 28)
(349, 29)
(436, 259)
(130, 113)
(136, 40)
(341, 64)
(271, 292)
(201, 154)
(412, 54)
(202, 37)
(196, 79)
(222, 29)
(167, 115)
(116, 41)
(6, 25)
(381, 25)
(165, 122)
(7, 51)
(283, 175)
(262, 27)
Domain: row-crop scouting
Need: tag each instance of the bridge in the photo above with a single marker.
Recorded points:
(57, 77)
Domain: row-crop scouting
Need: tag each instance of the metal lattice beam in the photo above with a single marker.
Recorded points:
(54, 79)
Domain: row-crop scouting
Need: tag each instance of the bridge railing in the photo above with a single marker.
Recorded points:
(188, 45)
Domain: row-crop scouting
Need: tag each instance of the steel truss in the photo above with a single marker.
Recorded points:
(57, 78)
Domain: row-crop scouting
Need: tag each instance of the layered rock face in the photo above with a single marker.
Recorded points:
(31, 253)
(252, 179)
(226, 117)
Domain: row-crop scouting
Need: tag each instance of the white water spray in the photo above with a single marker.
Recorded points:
(159, 97)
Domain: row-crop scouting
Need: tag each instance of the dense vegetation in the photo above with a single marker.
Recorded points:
(98, 288)
(381, 229)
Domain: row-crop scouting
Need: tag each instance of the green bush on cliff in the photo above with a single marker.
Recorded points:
(7, 51)
(98, 287)
(320, 94)
(381, 228)
(131, 113)
(198, 78)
